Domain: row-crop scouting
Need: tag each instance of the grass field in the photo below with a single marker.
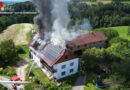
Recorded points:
(40, 75)
(98, 1)
(122, 30)
(17, 32)
(126, 2)
(104, 2)
(91, 3)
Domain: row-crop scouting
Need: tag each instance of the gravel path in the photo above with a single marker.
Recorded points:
(21, 68)
(79, 84)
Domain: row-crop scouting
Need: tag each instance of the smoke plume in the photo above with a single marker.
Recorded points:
(53, 20)
(85, 25)
(61, 19)
(44, 19)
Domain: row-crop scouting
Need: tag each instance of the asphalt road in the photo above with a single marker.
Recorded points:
(79, 84)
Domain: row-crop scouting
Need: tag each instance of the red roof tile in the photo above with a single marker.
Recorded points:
(87, 38)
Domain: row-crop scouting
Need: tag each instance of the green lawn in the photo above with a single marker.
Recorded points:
(90, 86)
(122, 30)
(104, 2)
(25, 51)
(92, 3)
(125, 2)
(40, 75)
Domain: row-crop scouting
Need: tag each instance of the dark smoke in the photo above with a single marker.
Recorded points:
(43, 20)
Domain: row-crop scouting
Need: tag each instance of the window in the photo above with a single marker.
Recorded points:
(63, 73)
(71, 70)
(71, 64)
(63, 66)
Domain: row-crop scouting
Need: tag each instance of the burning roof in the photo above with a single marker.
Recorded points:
(53, 54)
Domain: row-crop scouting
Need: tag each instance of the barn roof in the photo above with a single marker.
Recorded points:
(87, 38)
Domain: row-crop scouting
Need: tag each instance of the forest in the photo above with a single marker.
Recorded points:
(108, 15)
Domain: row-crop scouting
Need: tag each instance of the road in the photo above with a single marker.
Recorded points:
(79, 84)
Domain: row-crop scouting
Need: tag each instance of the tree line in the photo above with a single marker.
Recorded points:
(6, 20)
(101, 15)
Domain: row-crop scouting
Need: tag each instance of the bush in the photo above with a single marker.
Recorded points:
(20, 50)
(118, 40)
(2, 88)
(10, 71)
(8, 53)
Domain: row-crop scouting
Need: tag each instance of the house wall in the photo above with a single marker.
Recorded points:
(99, 44)
(36, 59)
(58, 67)
(68, 67)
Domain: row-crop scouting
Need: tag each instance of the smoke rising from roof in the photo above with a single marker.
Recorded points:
(53, 20)
(44, 19)
(61, 19)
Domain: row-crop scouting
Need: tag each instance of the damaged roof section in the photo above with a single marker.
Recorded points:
(53, 54)
(46, 51)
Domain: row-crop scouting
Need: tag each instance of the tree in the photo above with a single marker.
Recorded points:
(117, 52)
(122, 69)
(118, 40)
(91, 57)
(113, 53)
(10, 71)
(115, 82)
(128, 31)
(8, 53)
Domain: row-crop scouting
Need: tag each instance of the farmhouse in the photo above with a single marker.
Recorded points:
(57, 62)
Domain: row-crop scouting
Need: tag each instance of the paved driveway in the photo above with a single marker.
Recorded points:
(79, 84)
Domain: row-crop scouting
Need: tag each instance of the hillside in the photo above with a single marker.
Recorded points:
(17, 33)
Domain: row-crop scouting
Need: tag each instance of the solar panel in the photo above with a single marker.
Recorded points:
(52, 52)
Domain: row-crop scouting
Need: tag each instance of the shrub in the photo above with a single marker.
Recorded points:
(10, 71)
(20, 50)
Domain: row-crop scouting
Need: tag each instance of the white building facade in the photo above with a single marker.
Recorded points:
(66, 68)
(62, 70)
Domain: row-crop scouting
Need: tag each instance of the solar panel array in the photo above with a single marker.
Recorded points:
(52, 52)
